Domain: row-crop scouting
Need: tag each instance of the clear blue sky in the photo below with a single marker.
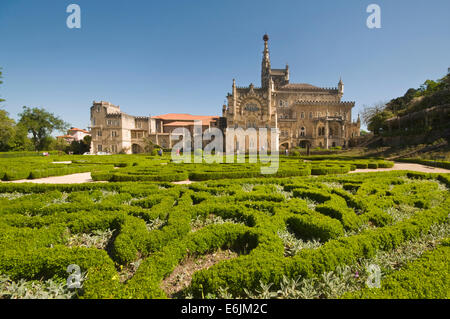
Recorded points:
(156, 57)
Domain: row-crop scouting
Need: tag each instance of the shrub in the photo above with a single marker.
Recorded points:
(151, 226)
(424, 278)
(315, 226)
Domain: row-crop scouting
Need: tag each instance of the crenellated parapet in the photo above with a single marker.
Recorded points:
(141, 118)
(338, 103)
(113, 115)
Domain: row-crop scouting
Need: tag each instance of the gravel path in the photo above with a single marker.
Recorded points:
(86, 177)
(183, 182)
(66, 179)
(405, 167)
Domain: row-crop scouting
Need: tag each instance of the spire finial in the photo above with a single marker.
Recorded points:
(266, 57)
(265, 65)
(341, 86)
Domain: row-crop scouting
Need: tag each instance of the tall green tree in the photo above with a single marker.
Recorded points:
(7, 129)
(1, 82)
(59, 144)
(401, 103)
(375, 116)
(81, 147)
(21, 141)
(40, 124)
(7, 132)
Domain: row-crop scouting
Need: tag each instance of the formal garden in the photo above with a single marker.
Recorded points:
(163, 168)
(309, 231)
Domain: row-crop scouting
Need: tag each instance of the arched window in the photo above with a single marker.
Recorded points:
(283, 103)
(310, 115)
(302, 115)
(302, 131)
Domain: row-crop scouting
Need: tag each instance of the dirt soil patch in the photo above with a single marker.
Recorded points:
(181, 277)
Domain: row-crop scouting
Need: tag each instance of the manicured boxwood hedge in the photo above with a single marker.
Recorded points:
(37, 221)
(441, 164)
(159, 170)
(424, 278)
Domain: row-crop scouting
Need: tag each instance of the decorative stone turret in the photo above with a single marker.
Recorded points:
(341, 87)
(234, 99)
(287, 74)
(265, 65)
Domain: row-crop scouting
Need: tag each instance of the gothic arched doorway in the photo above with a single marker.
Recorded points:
(285, 146)
(136, 149)
(304, 144)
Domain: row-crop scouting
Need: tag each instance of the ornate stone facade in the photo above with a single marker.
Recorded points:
(303, 114)
(295, 114)
(114, 131)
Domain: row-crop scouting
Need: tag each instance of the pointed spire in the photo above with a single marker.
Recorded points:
(266, 56)
(341, 86)
(234, 89)
(286, 77)
(265, 65)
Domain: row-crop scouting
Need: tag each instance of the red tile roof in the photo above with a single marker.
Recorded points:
(78, 129)
(206, 122)
(184, 117)
(179, 123)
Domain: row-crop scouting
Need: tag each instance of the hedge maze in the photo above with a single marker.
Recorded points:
(296, 237)
(162, 169)
(120, 168)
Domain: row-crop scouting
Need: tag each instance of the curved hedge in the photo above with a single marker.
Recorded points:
(351, 217)
(441, 164)
(424, 278)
